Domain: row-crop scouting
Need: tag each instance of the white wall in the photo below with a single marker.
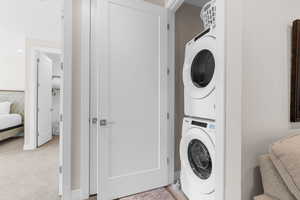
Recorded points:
(12, 60)
(21, 20)
(266, 82)
(39, 19)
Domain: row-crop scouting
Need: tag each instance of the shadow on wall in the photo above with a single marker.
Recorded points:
(258, 189)
(187, 25)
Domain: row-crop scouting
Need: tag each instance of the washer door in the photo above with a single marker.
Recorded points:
(200, 159)
(199, 67)
(197, 152)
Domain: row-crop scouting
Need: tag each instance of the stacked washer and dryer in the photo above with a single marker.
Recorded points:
(197, 146)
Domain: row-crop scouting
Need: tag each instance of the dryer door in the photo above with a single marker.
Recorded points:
(197, 152)
(199, 67)
(202, 68)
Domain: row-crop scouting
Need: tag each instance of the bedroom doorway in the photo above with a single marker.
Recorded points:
(31, 145)
(49, 98)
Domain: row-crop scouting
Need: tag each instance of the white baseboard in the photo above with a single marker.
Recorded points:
(84, 196)
(76, 195)
(28, 147)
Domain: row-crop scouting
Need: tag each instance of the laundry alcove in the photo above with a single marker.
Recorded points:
(176, 29)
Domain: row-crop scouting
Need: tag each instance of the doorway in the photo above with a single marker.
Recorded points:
(49, 101)
(49, 96)
(29, 160)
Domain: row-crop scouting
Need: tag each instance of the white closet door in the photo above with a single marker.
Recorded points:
(44, 101)
(131, 54)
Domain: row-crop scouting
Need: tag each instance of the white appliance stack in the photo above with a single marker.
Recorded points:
(197, 146)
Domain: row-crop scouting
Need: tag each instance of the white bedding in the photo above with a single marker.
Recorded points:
(10, 120)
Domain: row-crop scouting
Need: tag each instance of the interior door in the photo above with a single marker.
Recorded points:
(131, 54)
(44, 99)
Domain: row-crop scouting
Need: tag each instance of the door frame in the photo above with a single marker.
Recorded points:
(85, 99)
(173, 6)
(67, 99)
(229, 95)
(33, 46)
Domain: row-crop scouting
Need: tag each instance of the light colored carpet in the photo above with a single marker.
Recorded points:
(33, 175)
(28, 175)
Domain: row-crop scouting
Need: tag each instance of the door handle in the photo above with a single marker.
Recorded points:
(94, 120)
(104, 122)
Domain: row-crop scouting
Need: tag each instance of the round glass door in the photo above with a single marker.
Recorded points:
(203, 68)
(199, 159)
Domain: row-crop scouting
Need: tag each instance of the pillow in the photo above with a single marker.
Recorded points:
(273, 184)
(5, 108)
(285, 154)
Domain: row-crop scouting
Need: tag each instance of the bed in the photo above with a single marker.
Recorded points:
(11, 114)
(11, 125)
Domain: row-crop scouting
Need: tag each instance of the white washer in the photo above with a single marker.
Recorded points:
(197, 154)
(199, 76)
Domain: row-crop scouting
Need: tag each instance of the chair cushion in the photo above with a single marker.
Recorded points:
(273, 184)
(285, 154)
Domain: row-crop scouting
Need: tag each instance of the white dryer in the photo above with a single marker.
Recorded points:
(197, 154)
(199, 76)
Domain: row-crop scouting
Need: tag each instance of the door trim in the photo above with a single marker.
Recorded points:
(171, 95)
(67, 99)
(85, 99)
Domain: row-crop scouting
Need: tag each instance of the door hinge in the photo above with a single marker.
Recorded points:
(61, 117)
(38, 109)
(168, 160)
(168, 115)
(60, 169)
(62, 66)
(168, 26)
(168, 71)
(38, 60)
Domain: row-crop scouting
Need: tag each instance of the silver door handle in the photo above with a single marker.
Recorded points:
(94, 120)
(104, 122)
